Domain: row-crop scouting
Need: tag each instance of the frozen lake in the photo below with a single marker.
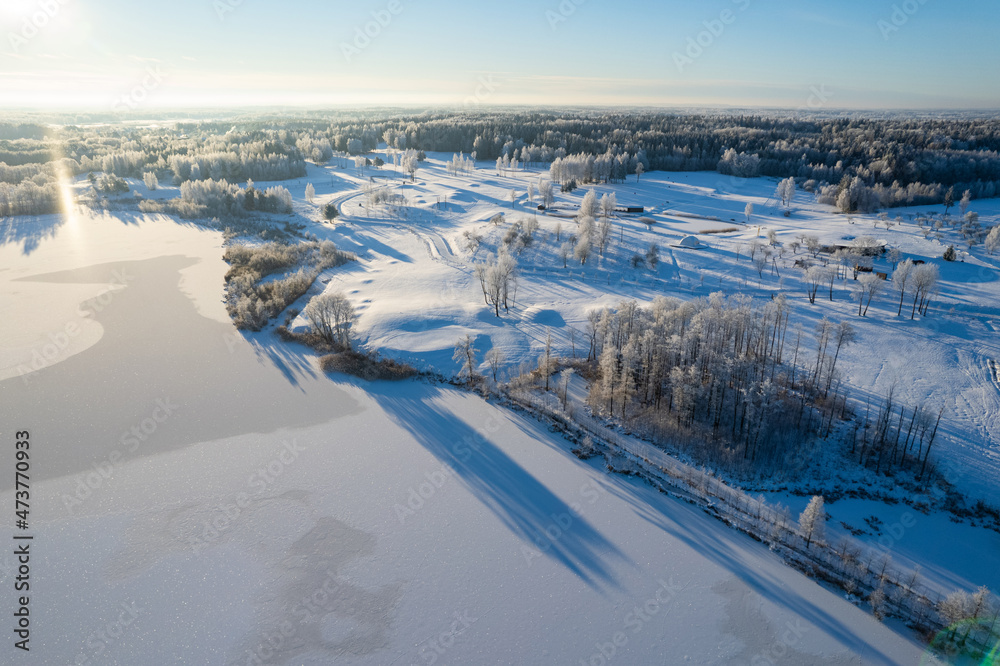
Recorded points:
(264, 513)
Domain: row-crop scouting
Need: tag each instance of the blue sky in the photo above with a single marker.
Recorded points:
(122, 53)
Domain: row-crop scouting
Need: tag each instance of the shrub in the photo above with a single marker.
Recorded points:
(330, 211)
(251, 303)
(949, 254)
(366, 366)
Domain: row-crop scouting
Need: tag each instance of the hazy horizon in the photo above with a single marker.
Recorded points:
(113, 55)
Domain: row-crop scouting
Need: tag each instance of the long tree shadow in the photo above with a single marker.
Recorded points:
(29, 230)
(545, 523)
(702, 535)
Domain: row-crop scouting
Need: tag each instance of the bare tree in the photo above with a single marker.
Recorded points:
(900, 278)
(546, 363)
(925, 279)
(815, 276)
(565, 252)
(868, 287)
(332, 316)
(495, 358)
(465, 355)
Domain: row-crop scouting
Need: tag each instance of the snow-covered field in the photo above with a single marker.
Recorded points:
(417, 293)
(206, 497)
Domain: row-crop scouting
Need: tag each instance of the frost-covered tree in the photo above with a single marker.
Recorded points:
(741, 165)
(565, 252)
(748, 211)
(925, 279)
(812, 521)
(815, 277)
(465, 355)
(867, 288)
(546, 362)
(786, 190)
(877, 601)
(963, 205)
(332, 316)
(411, 160)
(608, 204)
(547, 193)
(498, 279)
(150, 179)
(857, 197)
(603, 234)
(495, 358)
(531, 193)
(582, 250)
(955, 608)
(639, 170)
(992, 242)
(900, 279)
(588, 207)
(310, 193)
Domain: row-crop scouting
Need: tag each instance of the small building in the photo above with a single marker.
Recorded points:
(630, 209)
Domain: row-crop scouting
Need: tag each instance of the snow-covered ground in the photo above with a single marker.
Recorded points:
(206, 497)
(417, 293)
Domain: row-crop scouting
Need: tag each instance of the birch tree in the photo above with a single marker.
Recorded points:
(812, 521)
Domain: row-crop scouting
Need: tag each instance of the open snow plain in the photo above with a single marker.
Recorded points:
(202, 496)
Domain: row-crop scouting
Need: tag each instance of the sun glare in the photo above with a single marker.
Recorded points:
(70, 213)
(18, 9)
